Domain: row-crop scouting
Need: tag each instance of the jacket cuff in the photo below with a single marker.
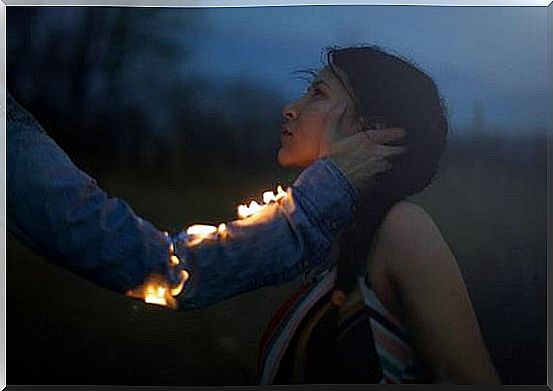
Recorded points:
(333, 204)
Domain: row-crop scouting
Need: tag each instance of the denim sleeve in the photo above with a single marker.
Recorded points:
(61, 213)
(64, 215)
(284, 241)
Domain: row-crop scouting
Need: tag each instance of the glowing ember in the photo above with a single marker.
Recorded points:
(199, 232)
(156, 289)
(155, 295)
(200, 229)
(280, 193)
(253, 208)
(246, 211)
(268, 197)
(174, 260)
(222, 231)
(178, 289)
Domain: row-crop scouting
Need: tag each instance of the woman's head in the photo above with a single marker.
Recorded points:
(304, 132)
(382, 90)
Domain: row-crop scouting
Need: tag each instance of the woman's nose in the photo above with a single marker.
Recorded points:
(290, 111)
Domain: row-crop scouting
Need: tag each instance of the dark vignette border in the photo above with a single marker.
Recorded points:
(549, 59)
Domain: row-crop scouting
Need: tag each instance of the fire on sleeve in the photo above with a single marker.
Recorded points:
(157, 290)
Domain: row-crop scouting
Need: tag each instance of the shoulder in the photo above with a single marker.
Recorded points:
(404, 222)
(406, 219)
(411, 240)
(405, 210)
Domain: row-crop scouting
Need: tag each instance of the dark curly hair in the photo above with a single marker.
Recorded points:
(388, 91)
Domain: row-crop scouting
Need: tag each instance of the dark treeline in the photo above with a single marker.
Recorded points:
(517, 154)
(113, 86)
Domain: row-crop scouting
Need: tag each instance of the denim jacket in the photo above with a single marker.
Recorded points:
(61, 212)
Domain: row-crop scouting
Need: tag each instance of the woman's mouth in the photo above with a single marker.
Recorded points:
(285, 134)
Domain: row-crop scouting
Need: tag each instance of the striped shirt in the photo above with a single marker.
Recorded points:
(398, 361)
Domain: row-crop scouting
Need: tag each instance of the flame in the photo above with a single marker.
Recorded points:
(178, 289)
(222, 231)
(156, 289)
(155, 295)
(280, 193)
(200, 229)
(246, 211)
(198, 232)
(268, 197)
(174, 260)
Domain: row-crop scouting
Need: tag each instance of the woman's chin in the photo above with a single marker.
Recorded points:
(286, 160)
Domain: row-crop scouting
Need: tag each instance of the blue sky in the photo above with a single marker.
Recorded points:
(496, 56)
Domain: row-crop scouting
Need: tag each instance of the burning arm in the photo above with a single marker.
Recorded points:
(284, 239)
(64, 215)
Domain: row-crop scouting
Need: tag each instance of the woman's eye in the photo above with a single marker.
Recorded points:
(314, 91)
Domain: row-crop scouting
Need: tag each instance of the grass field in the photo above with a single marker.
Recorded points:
(64, 330)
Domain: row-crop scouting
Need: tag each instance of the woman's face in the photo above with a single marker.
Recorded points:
(304, 134)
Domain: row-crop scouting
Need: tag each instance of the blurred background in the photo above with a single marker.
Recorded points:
(177, 111)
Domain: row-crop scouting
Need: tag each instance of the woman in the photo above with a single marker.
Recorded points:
(395, 309)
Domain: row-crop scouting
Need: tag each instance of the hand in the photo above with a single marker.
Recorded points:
(363, 155)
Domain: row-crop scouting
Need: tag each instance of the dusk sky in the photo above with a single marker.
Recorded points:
(491, 57)
(496, 56)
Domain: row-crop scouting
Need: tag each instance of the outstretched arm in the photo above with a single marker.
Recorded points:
(63, 214)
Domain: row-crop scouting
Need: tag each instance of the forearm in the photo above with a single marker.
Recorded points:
(289, 238)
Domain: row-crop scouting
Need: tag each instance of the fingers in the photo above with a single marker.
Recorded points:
(337, 112)
(387, 151)
(369, 170)
(384, 136)
(365, 154)
(359, 145)
(335, 118)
